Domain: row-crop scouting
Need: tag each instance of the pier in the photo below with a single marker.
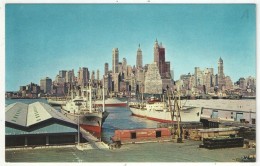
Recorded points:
(93, 142)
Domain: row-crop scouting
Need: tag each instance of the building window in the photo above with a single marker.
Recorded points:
(158, 134)
(253, 121)
(133, 135)
(239, 116)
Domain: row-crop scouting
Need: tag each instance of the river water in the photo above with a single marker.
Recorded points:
(121, 118)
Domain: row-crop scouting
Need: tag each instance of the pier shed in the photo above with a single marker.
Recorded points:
(37, 124)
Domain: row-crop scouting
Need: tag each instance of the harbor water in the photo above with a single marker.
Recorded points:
(121, 118)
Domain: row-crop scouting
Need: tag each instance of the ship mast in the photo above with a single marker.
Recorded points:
(103, 94)
(90, 98)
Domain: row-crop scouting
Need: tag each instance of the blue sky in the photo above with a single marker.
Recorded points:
(43, 39)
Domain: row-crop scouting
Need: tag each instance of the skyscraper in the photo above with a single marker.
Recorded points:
(93, 75)
(124, 64)
(45, 85)
(115, 56)
(62, 73)
(83, 76)
(221, 76)
(159, 59)
(97, 74)
(139, 58)
(106, 69)
(153, 81)
(70, 77)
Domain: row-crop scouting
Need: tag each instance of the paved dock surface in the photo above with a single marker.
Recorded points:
(150, 152)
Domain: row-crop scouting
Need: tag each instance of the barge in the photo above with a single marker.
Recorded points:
(141, 135)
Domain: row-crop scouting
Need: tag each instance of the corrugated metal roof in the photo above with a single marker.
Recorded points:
(52, 128)
(16, 113)
(29, 114)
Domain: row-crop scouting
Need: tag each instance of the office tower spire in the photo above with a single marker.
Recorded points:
(139, 58)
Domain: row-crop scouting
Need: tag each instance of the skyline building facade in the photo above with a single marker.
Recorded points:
(70, 77)
(221, 76)
(97, 75)
(83, 76)
(124, 65)
(159, 58)
(62, 73)
(46, 84)
(152, 78)
(93, 75)
(153, 81)
(106, 69)
(139, 58)
(115, 56)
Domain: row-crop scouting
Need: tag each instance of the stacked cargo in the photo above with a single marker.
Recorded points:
(222, 142)
(194, 134)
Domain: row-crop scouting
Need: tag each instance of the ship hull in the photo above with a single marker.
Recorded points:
(189, 115)
(57, 102)
(111, 103)
(91, 122)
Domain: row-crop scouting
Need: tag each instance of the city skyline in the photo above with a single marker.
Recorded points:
(44, 39)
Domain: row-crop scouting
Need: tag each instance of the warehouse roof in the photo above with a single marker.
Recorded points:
(29, 114)
(50, 129)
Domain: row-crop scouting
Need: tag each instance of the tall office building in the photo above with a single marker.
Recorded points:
(198, 77)
(83, 76)
(97, 74)
(153, 81)
(115, 56)
(120, 67)
(45, 85)
(62, 73)
(221, 76)
(124, 65)
(139, 58)
(129, 71)
(106, 69)
(159, 59)
(167, 69)
(172, 74)
(70, 77)
(93, 75)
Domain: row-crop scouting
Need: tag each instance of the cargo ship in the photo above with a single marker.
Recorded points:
(82, 111)
(159, 111)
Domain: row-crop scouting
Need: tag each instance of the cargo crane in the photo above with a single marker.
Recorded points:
(177, 110)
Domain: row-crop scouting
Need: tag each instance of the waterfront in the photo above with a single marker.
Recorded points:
(121, 118)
